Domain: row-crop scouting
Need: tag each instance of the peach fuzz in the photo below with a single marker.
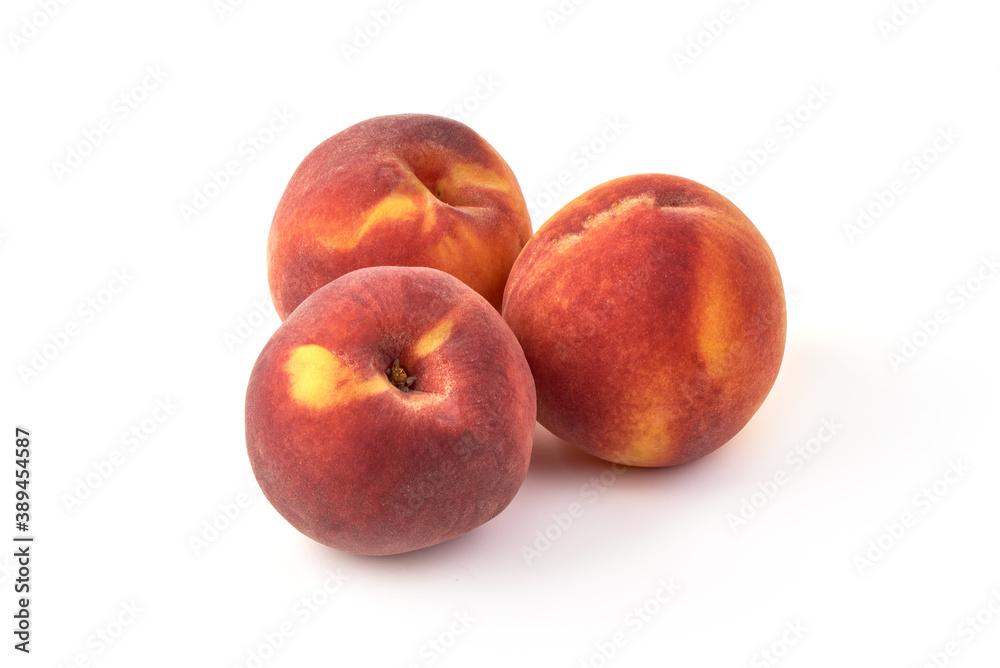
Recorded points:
(392, 410)
(652, 314)
(405, 190)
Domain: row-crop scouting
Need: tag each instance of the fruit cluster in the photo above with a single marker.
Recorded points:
(425, 328)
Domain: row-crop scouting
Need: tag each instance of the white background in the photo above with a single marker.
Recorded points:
(195, 285)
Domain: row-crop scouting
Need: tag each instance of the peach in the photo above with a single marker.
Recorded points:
(405, 190)
(392, 410)
(652, 314)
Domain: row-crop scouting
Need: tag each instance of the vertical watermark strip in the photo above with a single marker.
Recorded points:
(23, 541)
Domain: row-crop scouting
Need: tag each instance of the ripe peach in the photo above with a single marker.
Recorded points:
(391, 411)
(651, 312)
(407, 190)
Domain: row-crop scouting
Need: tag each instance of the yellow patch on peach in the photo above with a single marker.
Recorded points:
(650, 432)
(464, 173)
(397, 206)
(460, 239)
(318, 380)
(433, 339)
(430, 215)
(716, 324)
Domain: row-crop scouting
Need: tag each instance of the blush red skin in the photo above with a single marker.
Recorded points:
(370, 477)
(351, 172)
(634, 319)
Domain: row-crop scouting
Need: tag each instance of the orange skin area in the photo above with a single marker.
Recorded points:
(405, 190)
(357, 464)
(652, 314)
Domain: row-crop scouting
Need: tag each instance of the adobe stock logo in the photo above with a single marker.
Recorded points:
(923, 502)
(131, 440)
(957, 299)
(585, 155)
(899, 16)
(436, 647)
(911, 171)
(223, 8)
(634, 621)
(970, 628)
(365, 34)
(32, 24)
(461, 111)
(561, 13)
(41, 357)
(218, 180)
(269, 643)
(711, 30)
(786, 127)
(249, 323)
(562, 522)
(120, 109)
(224, 516)
(796, 458)
(777, 650)
(107, 635)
